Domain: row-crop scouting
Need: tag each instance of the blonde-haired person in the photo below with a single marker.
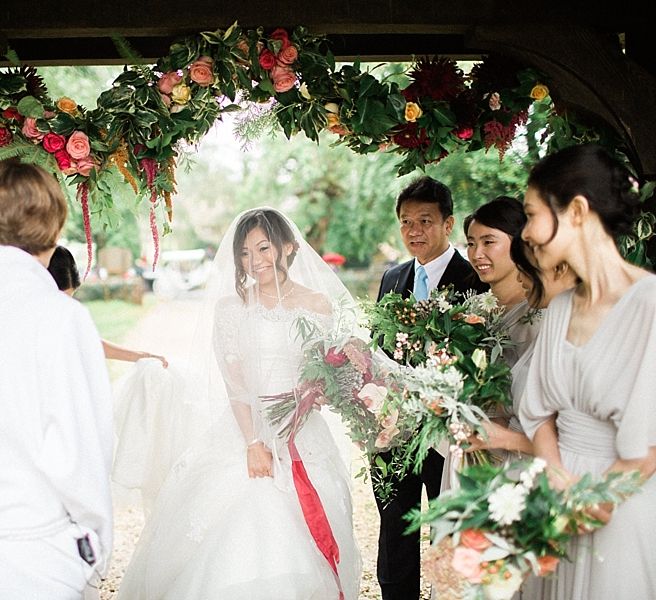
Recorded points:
(55, 407)
(64, 271)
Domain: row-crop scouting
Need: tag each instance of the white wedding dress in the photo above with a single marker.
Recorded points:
(214, 533)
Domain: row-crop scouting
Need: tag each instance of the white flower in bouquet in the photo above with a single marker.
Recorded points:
(372, 396)
(482, 304)
(506, 503)
(503, 586)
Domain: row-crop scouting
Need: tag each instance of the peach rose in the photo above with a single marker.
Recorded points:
(165, 99)
(30, 130)
(539, 92)
(331, 107)
(467, 562)
(412, 112)
(67, 105)
(474, 539)
(391, 419)
(547, 564)
(283, 78)
(84, 166)
(78, 145)
(181, 94)
(287, 56)
(385, 437)
(201, 71)
(168, 81)
(474, 320)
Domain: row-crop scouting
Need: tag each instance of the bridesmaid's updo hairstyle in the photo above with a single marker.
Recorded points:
(519, 253)
(278, 232)
(503, 213)
(587, 170)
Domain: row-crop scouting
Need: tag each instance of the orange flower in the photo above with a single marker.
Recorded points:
(67, 105)
(547, 564)
(474, 539)
(474, 319)
(539, 91)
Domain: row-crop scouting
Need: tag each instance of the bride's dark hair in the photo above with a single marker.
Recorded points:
(278, 232)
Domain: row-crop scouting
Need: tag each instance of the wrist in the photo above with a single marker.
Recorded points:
(254, 442)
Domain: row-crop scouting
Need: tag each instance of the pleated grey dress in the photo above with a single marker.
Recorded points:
(604, 396)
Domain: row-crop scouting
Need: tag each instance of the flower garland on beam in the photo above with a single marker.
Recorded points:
(135, 133)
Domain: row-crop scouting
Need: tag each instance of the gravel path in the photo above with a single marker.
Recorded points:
(160, 332)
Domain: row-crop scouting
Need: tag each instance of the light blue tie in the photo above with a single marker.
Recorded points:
(421, 283)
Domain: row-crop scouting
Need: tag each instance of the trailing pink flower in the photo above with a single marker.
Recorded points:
(155, 234)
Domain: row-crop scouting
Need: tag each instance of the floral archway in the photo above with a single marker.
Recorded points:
(133, 137)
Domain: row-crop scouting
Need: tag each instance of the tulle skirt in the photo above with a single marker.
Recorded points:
(214, 533)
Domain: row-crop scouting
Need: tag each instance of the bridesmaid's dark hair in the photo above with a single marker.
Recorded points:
(503, 213)
(587, 170)
(519, 254)
(278, 232)
(63, 269)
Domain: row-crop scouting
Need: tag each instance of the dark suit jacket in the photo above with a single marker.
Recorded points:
(459, 272)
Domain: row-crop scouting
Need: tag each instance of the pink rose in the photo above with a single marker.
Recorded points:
(467, 562)
(281, 35)
(30, 131)
(168, 81)
(84, 166)
(267, 60)
(474, 539)
(53, 142)
(335, 359)
(5, 136)
(283, 78)
(165, 99)
(63, 160)
(464, 133)
(78, 145)
(201, 71)
(288, 56)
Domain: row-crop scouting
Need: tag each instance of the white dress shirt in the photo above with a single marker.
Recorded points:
(436, 267)
(55, 411)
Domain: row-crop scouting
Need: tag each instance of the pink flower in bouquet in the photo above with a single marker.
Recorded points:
(385, 437)
(5, 136)
(474, 539)
(467, 562)
(267, 59)
(288, 55)
(390, 420)
(547, 564)
(30, 130)
(168, 81)
(78, 145)
(281, 35)
(372, 396)
(53, 142)
(201, 71)
(63, 159)
(283, 78)
(84, 166)
(165, 99)
(335, 359)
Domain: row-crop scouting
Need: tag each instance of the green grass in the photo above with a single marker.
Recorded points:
(115, 318)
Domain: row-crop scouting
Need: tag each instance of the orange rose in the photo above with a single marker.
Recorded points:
(548, 564)
(474, 319)
(474, 539)
(67, 105)
(201, 71)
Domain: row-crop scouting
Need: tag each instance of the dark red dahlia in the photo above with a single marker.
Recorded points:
(411, 136)
(439, 79)
(494, 74)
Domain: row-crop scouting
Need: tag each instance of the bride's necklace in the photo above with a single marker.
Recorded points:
(280, 298)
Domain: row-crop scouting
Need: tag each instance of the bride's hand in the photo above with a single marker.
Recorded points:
(495, 437)
(259, 460)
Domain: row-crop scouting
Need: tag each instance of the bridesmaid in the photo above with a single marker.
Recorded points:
(589, 406)
(490, 230)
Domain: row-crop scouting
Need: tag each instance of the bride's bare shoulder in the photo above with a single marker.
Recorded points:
(312, 300)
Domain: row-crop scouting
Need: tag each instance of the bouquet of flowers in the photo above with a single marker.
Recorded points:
(504, 523)
(343, 373)
(454, 377)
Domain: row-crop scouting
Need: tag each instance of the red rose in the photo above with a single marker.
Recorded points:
(335, 359)
(280, 35)
(267, 60)
(5, 136)
(53, 142)
(464, 133)
(12, 113)
(63, 159)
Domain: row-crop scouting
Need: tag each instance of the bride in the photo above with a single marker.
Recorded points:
(239, 515)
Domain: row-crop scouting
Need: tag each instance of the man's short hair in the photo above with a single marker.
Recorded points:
(427, 189)
(32, 207)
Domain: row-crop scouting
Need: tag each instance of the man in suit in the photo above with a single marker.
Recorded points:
(425, 212)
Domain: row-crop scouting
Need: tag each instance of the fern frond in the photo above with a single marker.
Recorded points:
(256, 121)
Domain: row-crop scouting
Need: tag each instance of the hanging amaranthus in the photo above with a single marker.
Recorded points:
(149, 166)
(83, 195)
